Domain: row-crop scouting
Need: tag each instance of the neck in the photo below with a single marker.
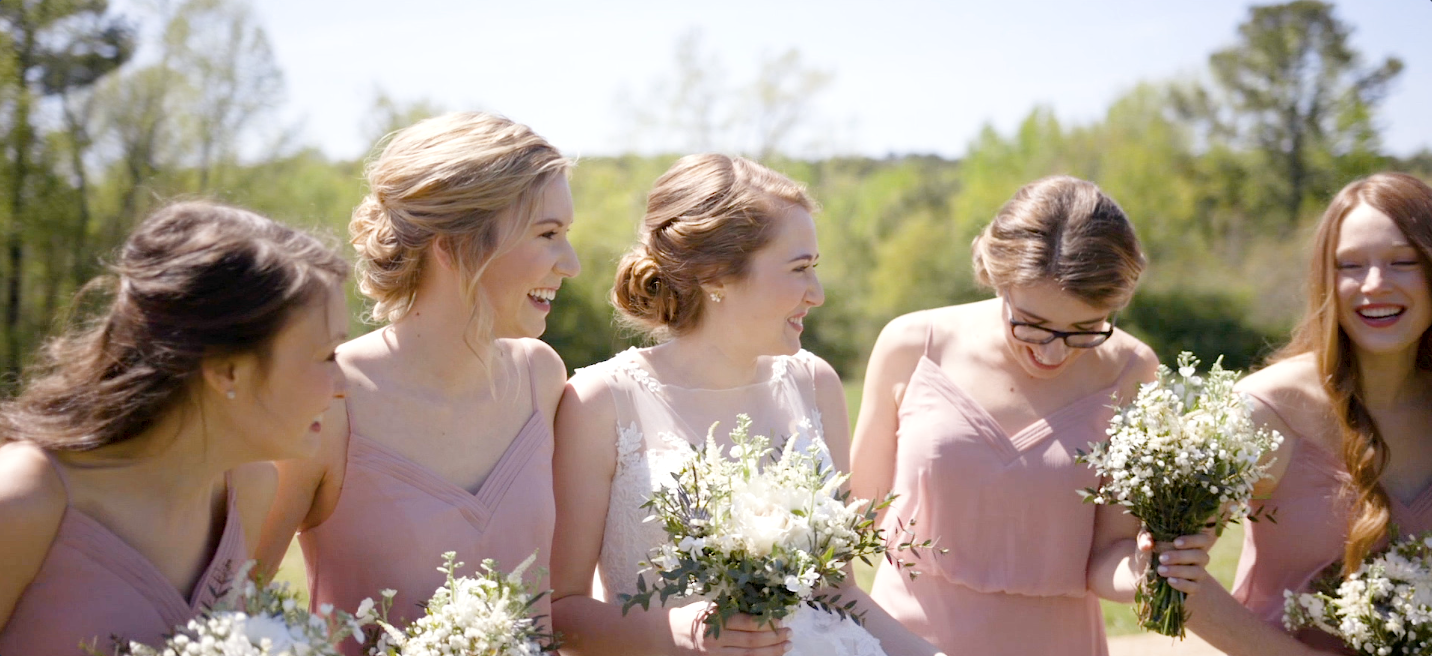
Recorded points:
(177, 461)
(433, 344)
(1389, 379)
(704, 359)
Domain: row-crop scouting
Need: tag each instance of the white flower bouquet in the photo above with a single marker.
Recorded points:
(1182, 457)
(489, 614)
(258, 619)
(1383, 608)
(754, 539)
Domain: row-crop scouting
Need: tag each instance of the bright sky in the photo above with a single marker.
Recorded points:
(910, 76)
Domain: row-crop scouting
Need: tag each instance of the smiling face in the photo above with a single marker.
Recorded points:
(1045, 305)
(280, 409)
(1384, 304)
(522, 282)
(766, 308)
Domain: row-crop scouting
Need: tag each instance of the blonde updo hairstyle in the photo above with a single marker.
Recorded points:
(705, 217)
(470, 181)
(1066, 231)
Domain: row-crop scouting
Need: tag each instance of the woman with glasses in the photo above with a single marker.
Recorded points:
(973, 415)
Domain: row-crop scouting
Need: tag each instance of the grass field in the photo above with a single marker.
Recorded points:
(1118, 618)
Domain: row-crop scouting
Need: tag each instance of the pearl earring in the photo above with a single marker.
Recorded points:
(231, 394)
(715, 297)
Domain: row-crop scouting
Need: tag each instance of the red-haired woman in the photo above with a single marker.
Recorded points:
(1352, 396)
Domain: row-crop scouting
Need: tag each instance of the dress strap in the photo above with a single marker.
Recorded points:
(59, 470)
(531, 371)
(929, 332)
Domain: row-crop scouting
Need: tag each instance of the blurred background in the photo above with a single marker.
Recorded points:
(1222, 127)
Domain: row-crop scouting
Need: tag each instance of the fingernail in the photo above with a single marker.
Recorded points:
(1163, 558)
(1163, 570)
(1178, 542)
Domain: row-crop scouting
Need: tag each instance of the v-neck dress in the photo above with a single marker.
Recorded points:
(1309, 534)
(93, 586)
(1007, 508)
(395, 518)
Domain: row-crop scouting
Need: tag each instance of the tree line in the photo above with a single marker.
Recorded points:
(1222, 174)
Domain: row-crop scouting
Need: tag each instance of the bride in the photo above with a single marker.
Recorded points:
(723, 275)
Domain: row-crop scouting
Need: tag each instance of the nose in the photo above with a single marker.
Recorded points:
(1053, 352)
(568, 265)
(1374, 279)
(815, 294)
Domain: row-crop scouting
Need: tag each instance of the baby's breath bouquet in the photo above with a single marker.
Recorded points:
(258, 619)
(489, 614)
(1383, 608)
(757, 533)
(1182, 457)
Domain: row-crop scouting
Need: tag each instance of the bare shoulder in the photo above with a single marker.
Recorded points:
(587, 399)
(32, 506)
(1289, 396)
(255, 486)
(32, 496)
(1135, 359)
(902, 341)
(547, 368)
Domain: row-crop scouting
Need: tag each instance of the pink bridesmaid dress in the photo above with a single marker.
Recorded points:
(395, 518)
(92, 586)
(1311, 530)
(1013, 582)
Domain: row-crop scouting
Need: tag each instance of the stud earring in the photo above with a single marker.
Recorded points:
(716, 297)
(231, 394)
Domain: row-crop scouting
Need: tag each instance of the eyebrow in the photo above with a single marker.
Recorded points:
(1039, 319)
(803, 256)
(553, 221)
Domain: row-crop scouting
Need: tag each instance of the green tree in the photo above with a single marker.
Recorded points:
(51, 48)
(1293, 90)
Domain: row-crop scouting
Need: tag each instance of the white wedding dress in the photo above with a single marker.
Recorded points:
(655, 423)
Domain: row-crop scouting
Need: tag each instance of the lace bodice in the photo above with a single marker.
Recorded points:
(656, 423)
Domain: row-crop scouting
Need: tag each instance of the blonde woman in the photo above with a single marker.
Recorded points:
(973, 414)
(1352, 396)
(724, 277)
(444, 442)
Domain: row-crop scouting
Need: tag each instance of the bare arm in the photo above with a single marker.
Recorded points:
(307, 490)
(32, 503)
(894, 638)
(873, 450)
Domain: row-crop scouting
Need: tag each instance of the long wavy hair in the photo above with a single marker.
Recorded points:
(1407, 200)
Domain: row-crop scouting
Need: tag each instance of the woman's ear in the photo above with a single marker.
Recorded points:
(442, 253)
(221, 375)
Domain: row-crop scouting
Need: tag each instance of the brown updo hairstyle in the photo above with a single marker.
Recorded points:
(1066, 231)
(470, 181)
(1408, 202)
(705, 217)
(194, 280)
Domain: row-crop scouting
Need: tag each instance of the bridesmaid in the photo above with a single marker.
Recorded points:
(1351, 393)
(131, 476)
(972, 414)
(444, 442)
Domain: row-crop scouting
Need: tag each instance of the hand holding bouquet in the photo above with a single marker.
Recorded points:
(489, 614)
(1182, 457)
(753, 539)
(1383, 608)
(257, 619)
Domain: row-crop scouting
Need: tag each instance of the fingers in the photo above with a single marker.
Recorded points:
(745, 636)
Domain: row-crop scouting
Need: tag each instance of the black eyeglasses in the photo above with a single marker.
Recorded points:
(1031, 334)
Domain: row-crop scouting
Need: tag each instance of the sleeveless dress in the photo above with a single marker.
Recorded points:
(1013, 582)
(93, 586)
(1310, 533)
(655, 423)
(395, 518)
